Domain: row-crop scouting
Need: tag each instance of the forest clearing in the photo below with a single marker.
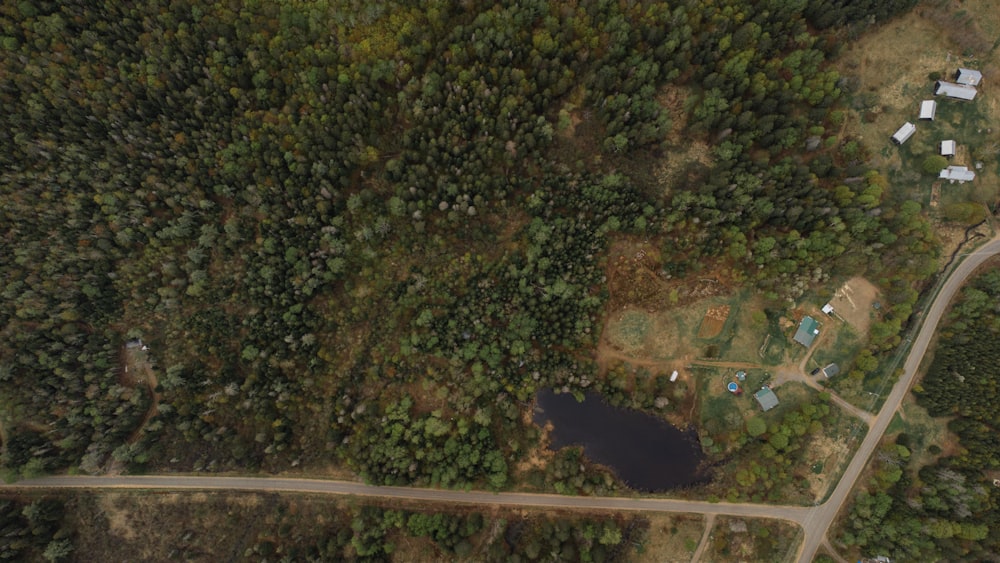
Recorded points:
(894, 66)
(362, 237)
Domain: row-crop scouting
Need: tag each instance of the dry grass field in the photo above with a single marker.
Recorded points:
(890, 69)
(746, 539)
(672, 538)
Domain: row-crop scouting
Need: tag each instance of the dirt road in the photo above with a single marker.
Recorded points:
(815, 521)
(796, 514)
(818, 521)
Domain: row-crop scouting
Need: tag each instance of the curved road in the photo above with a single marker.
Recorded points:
(815, 521)
(819, 520)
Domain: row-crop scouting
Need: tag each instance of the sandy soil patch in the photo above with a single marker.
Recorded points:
(830, 454)
(854, 302)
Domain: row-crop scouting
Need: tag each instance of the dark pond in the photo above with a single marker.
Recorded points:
(645, 452)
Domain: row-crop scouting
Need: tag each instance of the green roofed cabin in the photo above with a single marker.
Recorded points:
(767, 399)
(807, 332)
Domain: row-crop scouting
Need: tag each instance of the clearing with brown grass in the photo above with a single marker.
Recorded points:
(715, 319)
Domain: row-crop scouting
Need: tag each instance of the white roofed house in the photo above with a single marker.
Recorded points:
(956, 91)
(959, 174)
(927, 109)
(968, 77)
(948, 148)
(904, 133)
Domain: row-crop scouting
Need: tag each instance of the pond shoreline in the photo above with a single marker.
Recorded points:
(646, 452)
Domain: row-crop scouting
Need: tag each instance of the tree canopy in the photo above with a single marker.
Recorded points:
(362, 233)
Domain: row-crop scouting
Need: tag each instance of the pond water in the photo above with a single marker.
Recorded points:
(647, 453)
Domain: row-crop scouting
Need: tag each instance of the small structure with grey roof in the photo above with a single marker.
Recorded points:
(968, 77)
(948, 148)
(807, 332)
(960, 174)
(904, 133)
(767, 399)
(927, 109)
(831, 370)
(956, 91)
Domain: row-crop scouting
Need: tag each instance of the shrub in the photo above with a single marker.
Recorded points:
(935, 163)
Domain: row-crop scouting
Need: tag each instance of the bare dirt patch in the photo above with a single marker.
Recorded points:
(825, 455)
(672, 538)
(853, 303)
(714, 320)
(633, 278)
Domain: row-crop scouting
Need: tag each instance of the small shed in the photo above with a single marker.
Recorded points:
(927, 109)
(767, 399)
(960, 174)
(831, 370)
(968, 77)
(828, 309)
(948, 148)
(904, 133)
(673, 376)
(807, 332)
(956, 91)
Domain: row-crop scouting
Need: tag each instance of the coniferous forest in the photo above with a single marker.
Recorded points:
(946, 510)
(364, 233)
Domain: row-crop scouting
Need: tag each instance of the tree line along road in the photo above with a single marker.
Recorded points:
(815, 521)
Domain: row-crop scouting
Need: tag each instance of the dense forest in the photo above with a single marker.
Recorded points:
(34, 530)
(269, 528)
(364, 233)
(948, 510)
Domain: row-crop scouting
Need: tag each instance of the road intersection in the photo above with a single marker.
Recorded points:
(815, 521)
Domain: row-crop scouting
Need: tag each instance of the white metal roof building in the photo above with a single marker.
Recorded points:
(968, 77)
(957, 91)
(927, 109)
(904, 133)
(959, 174)
(947, 148)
